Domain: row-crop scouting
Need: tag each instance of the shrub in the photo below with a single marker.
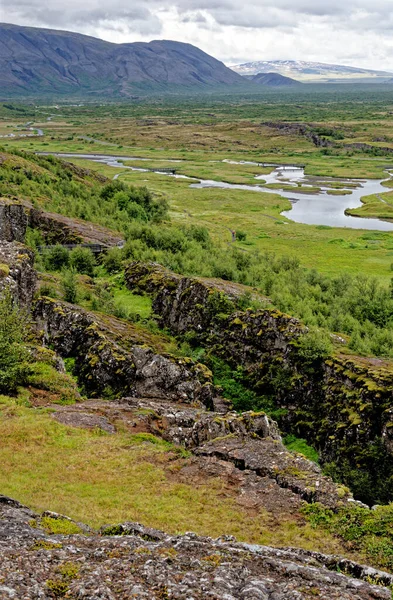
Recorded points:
(313, 347)
(82, 260)
(69, 286)
(56, 258)
(241, 236)
(113, 260)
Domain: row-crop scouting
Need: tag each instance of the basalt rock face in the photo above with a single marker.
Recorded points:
(132, 561)
(104, 366)
(13, 222)
(16, 216)
(342, 405)
(17, 273)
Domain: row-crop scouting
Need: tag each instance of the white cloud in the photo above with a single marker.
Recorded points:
(342, 31)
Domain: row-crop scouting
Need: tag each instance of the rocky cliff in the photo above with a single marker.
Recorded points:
(16, 216)
(341, 404)
(109, 366)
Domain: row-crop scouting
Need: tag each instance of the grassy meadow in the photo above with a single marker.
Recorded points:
(204, 132)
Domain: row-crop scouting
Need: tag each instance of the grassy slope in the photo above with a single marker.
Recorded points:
(98, 479)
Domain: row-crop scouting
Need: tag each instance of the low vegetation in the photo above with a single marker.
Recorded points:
(335, 281)
(366, 532)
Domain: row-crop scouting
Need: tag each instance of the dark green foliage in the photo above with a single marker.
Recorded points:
(69, 286)
(371, 480)
(82, 260)
(236, 387)
(14, 358)
(56, 258)
(113, 260)
(313, 347)
(241, 236)
(369, 532)
(138, 202)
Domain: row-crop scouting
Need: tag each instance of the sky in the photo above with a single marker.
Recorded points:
(347, 32)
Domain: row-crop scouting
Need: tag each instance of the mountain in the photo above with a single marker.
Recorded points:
(274, 80)
(35, 61)
(312, 71)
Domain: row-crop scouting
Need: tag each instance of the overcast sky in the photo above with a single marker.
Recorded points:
(350, 32)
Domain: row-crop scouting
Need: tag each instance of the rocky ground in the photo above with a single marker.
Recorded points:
(245, 450)
(130, 561)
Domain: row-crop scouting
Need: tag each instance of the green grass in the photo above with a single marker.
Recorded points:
(368, 532)
(129, 304)
(299, 445)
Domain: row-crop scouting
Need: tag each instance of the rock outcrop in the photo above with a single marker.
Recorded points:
(17, 273)
(245, 448)
(16, 216)
(131, 561)
(105, 366)
(342, 404)
(13, 221)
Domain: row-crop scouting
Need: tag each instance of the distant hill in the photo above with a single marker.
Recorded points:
(274, 80)
(36, 61)
(312, 71)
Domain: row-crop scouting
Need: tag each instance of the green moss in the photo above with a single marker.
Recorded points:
(56, 525)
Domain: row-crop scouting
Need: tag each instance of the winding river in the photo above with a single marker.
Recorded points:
(311, 208)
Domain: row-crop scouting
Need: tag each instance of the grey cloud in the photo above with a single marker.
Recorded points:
(249, 13)
(194, 17)
(117, 14)
(302, 24)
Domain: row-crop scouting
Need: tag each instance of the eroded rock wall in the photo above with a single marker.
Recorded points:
(104, 366)
(17, 272)
(342, 405)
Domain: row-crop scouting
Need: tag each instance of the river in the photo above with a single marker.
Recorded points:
(319, 208)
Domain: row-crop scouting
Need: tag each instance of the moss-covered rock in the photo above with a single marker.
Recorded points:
(17, 273)
(341, 404)
(105, 367)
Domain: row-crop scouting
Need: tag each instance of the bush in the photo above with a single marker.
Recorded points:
(82, 260)
(69, 286)
(56, 258)
(14, 358)
(313, 347)
(368, 532)
(113, 260)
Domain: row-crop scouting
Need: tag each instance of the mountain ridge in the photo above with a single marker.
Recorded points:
(46, 61)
